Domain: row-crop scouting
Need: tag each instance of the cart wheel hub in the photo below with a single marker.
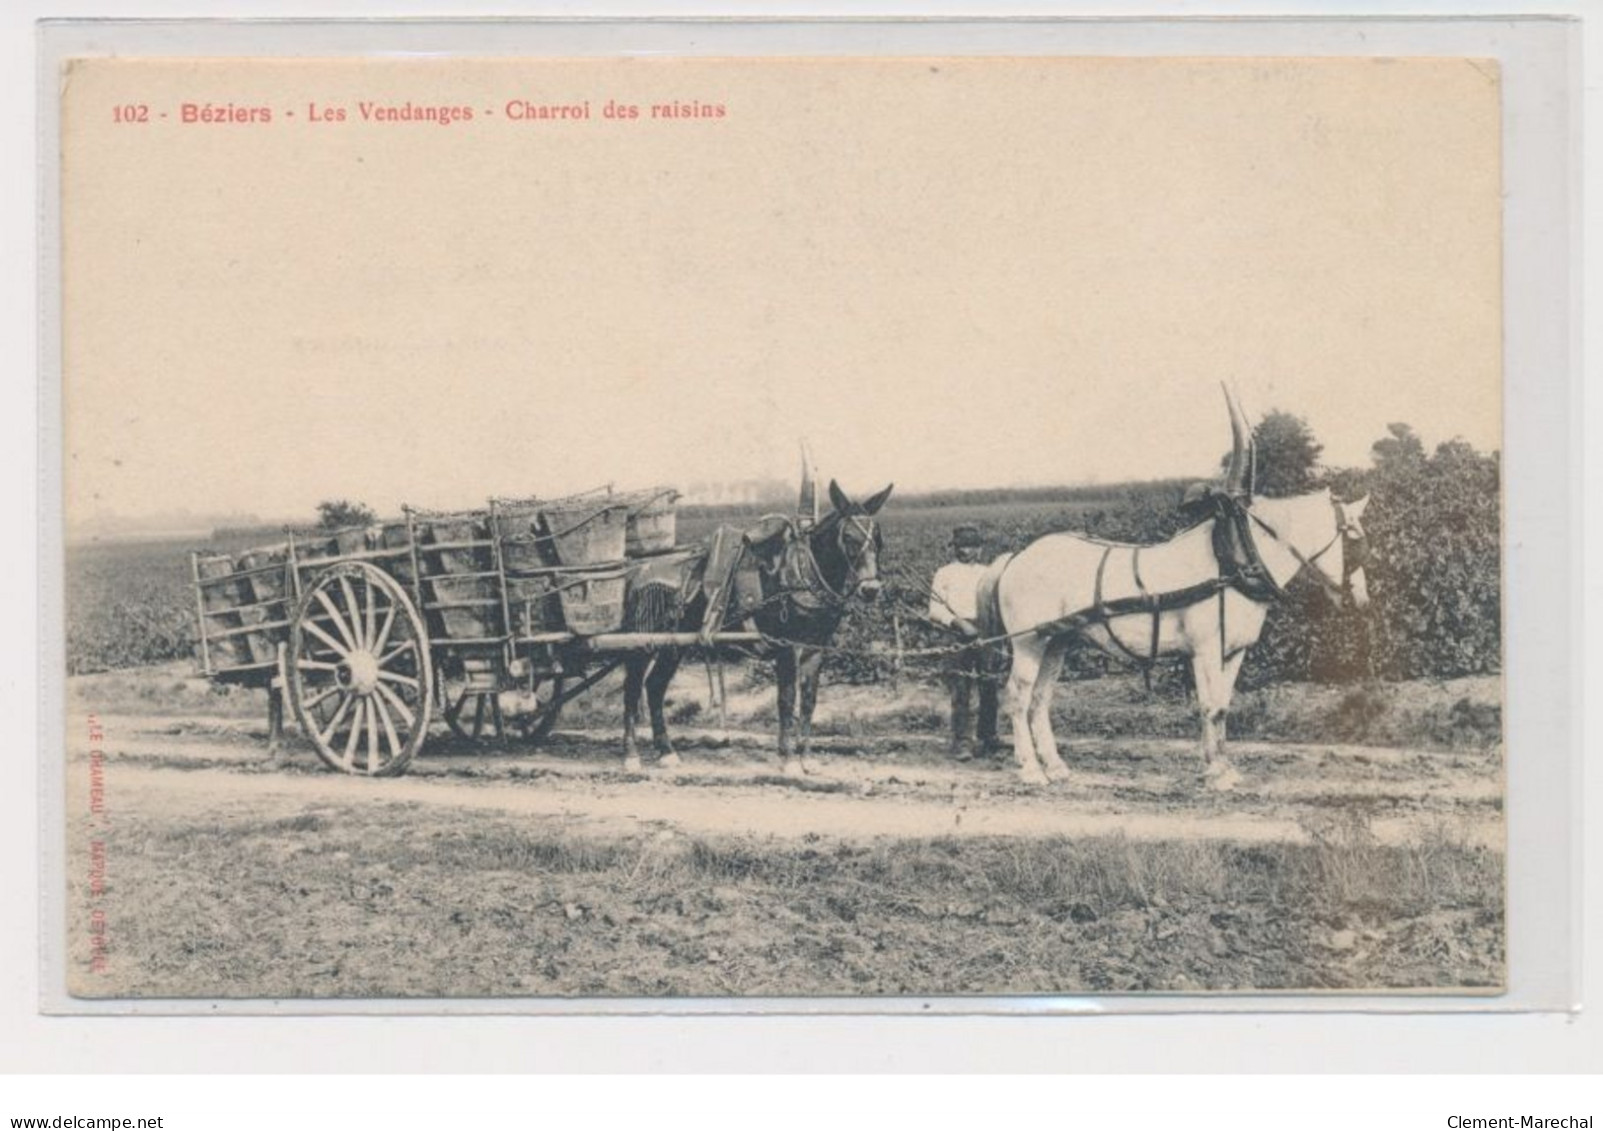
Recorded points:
(364, 672)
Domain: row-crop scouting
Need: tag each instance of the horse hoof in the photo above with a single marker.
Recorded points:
(1222, 778)
(669, 760)
(632, 763)
(1057, 772)
(1032, 776)
(792, 768)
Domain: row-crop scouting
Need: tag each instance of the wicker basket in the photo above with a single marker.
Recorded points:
(269, 584)
(353, 540)
(586, 532)
(472, 608)
(394, 538)
(522, 549)
(653, 522)
(317, 549)
(534, 604)
(592, 599)
(262, 646)
(229, 652)
(220, 591)
(455, 559)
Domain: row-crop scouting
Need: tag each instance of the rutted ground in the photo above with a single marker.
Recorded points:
(889, 870)
(1144, 790)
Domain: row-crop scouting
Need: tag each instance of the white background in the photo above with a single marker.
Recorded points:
(1207, 1044)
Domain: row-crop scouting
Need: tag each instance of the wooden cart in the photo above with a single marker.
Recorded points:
(369, 634)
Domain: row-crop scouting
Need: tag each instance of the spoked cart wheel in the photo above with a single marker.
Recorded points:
(359, 675)
(484, 716)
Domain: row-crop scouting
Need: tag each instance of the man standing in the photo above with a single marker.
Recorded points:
(954, 605)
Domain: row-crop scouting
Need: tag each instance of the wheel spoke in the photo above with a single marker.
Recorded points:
(478, 716)
(327, 733)
(371, 620)
(356, 732)
(353, 611)
(333, 689)
(384, 661)
(389, 724)
(372, 735)
(397, 677)
(339, 648)
(383, 637)
(339, 621)
(317, 665)
(408, 719)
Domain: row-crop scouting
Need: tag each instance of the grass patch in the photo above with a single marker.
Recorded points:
(348, 901)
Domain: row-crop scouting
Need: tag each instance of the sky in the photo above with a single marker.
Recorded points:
(942, 272)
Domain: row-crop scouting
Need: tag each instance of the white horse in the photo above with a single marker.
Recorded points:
(1204, 594)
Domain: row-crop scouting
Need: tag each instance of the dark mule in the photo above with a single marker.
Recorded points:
(793, 585)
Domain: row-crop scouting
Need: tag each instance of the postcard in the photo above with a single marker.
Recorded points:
(749, 528)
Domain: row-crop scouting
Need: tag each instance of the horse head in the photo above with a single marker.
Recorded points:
(1312, 531)
(846, 543)
(1355, 552)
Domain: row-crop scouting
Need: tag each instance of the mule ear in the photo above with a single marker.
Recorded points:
(838, 497)
(1355, 509)
(873, 505)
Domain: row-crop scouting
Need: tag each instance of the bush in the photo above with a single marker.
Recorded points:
(342, 514)
(1435, 532)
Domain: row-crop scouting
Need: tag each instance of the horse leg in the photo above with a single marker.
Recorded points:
(634, 673)
(785, 680)
(1215, 679)
(657, 681)
(1027, 653)
(1046, 685)
(811, 666)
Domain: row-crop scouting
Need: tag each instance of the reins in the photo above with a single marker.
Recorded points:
(1253, 582)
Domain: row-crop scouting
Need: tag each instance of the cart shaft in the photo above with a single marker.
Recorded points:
(625, 641)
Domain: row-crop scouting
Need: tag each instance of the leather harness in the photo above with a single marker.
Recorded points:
(1241, 568)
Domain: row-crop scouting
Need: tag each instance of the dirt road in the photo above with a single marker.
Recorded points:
(1145, 790)
(199, 867)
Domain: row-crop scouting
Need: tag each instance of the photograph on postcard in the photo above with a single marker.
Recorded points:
(782, 527)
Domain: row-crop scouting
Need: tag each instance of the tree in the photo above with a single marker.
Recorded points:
(1287, 454)
(337, 514)
(1398, 450)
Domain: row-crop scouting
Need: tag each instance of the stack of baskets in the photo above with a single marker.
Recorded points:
(567, 560)
(566, 563)
(456, 561)
(244, 606)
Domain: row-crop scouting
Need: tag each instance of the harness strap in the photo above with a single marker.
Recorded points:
(1222, 637)
(1303, 561)
(1141, 588)
(1105, 610)
(1125, 606)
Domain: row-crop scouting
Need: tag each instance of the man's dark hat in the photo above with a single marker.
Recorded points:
(967, 536)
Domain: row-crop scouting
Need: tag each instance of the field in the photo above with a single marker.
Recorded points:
(1363, 849)
(889, 871)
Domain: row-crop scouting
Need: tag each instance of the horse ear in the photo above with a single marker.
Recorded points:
(1355, 509)
(873, 505)
(838, 497)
